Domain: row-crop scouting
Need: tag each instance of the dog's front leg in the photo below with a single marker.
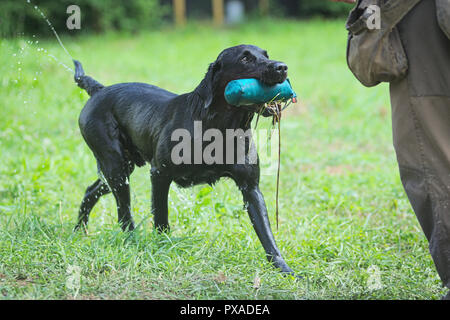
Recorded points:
(160, 191)
(257, 211)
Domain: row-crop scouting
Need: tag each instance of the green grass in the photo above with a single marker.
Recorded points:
(343, 211)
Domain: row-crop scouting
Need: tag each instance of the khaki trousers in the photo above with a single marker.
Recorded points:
(421, 128)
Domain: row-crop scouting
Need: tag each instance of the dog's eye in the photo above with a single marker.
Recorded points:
(245, 59)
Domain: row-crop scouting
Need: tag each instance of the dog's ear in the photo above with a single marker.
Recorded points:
(210, 83)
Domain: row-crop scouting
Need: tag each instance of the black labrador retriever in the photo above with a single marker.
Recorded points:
(129, 124)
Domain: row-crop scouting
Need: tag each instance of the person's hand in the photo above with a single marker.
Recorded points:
(346, 1)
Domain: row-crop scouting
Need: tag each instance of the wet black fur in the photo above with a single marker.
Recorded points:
(130, 124)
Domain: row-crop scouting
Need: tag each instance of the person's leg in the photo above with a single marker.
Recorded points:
(421, 128)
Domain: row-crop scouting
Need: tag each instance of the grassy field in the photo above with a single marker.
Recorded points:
(345, 222)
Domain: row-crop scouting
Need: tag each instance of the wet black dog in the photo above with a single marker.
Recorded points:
(130, 124)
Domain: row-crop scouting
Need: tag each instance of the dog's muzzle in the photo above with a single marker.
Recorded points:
(276, 72)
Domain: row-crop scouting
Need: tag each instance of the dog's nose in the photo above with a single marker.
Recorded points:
(281, 67)
(276, 72)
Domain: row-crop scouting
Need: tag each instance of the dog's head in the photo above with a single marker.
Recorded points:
(240, 62)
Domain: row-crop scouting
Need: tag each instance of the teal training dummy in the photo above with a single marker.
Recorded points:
(252, 91)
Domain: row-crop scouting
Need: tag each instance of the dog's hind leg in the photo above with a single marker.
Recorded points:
(117, 174)
(91, 197)
(160, 191)
(115, 167)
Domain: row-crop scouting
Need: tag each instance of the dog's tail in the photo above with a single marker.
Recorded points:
(85, 82)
